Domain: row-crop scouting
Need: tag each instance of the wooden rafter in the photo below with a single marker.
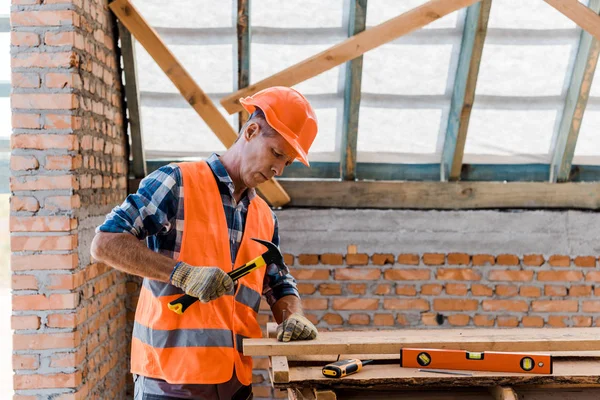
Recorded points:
(351, 48)
(243, 27)
(463, 94)
(584, 67)
(580, 14)
(356, 24)
(195, 96)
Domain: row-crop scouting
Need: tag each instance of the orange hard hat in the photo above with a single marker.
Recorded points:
(289, 113)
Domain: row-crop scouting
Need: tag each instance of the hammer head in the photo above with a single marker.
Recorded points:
(272, 255)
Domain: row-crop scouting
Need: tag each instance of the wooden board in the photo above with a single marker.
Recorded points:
(580, 14)
(351, 48)
(582, 373)
(134, 22)
(441, 195)
(503, 393)
(390, 342)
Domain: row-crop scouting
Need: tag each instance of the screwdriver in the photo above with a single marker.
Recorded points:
(342, 368)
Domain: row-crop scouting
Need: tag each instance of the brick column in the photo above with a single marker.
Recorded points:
(68, 167)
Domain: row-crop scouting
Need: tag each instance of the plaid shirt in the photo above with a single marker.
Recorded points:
(155, 213)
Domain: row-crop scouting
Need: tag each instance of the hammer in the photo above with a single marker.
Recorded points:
(271, 256)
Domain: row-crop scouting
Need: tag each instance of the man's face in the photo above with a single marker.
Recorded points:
(264, 156)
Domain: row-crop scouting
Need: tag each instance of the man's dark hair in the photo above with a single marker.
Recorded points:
(258, 116)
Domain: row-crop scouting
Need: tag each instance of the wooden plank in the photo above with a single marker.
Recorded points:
(351, 48)
(195, 96)
(390, 342)
(442, 195)
(280, 368)
(243, 52)
(567, 373)
(463, 94)
(503, 393)
(132, 94)
(357, 22)
(580, 14)
(326, 395)
(578, 93)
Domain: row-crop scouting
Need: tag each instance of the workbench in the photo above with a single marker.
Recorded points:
(296, 366)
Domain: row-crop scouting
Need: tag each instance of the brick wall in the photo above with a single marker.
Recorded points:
(68, 170)
(435, 290)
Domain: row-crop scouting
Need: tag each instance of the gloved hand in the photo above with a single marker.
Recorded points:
(296, 327)
(205, 283)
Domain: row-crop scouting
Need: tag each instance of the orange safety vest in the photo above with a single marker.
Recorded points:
(204, 344)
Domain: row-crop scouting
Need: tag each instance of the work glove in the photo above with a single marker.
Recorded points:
(296, 327)
(205, 283)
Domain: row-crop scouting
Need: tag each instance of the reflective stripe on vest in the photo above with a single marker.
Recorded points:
(203, 345)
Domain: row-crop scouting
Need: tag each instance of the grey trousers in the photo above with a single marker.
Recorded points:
(156, 389)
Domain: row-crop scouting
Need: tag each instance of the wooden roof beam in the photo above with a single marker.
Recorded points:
(583, 16)
(195, 96)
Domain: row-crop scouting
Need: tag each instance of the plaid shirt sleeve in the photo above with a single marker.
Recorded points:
(278, 283)
(152, 209)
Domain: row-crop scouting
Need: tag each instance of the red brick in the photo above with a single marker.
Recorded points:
(483, 320)
(29, 39)
(288, 259)
(46, 101)
(26, 121)
(44, 142)
(382, 259)
(355, 304)
(455, 305)
(25, 80)
(530, 291)
(427, 319)
(44, 18)
(23, 163)
(40, 341)
(62, 320)
(483, 259)
(593, 276)
(407, 274)
(37, 243)
(22, 361)
(456, 289)
(580, 291)
(481, 290)
(306, 288)
(24, 203)
(308, 259)
(406, 304)
(431, 289)
(559, 261)
(59, 80)
(359, 319)
(408, 259)
(261, 391)
(457, 274)
(555, 290)
(505, 305)
(434, 259)
(507, 322)
(533, 260)
(329, 289)
(314, 304)
(43, 261)
(532, 322)
(560, 276)
(557, 321)
(507, 290)
(59, 38)
(383, 320)
(332, 259)
(587, 261)
(507, 275)
(382, 289)
(459, 259)
(62, 203)
(25, 322)
(41, 302)
(357, 259)
(591, 306)
(65, 281)
(333, 319)
(356, 288)
(357, 274)
(34, 381)
(581, 321)
(62, 162)
(554, 306)
(61, 121)
(507, 259)
(459, 319)
(24, 282)
(406, 290)
(41, 224)
(310, 274)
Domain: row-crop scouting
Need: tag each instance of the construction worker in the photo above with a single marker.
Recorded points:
(198, 219)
